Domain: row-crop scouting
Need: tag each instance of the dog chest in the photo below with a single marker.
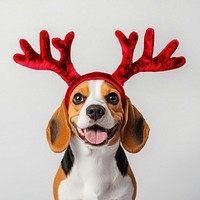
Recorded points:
(74, 189)
(95, 175)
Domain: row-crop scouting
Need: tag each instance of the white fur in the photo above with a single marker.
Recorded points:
(95, 97)
(95, 175)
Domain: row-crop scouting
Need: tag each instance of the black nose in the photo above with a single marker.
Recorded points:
(95, 112)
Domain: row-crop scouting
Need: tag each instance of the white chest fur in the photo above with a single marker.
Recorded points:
(95, 175)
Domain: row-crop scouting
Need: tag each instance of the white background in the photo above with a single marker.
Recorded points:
(168, 166)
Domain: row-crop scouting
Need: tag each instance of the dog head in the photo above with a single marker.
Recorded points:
(97, 116)
(96, 109)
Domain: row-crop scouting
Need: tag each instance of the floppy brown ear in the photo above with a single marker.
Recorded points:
(58, 130)
(135, 130)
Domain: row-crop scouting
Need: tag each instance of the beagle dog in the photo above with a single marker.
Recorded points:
(96, 118)
(91, 130)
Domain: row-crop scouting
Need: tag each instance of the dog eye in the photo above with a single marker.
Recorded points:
(112, 98)
(78, 99)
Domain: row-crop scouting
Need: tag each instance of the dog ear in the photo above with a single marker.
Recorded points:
(58, 130)
(135, 130)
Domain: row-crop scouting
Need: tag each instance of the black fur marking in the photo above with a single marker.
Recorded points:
(122, 161)
(54, 130)
(138, 130)
(67, 161)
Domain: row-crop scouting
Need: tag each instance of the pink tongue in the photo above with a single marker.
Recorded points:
(95, 137)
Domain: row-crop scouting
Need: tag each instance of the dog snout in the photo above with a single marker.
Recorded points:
(95, 112)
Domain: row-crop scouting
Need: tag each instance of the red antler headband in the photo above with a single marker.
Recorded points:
(127, 68)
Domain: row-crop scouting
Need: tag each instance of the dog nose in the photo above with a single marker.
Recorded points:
(95, 112)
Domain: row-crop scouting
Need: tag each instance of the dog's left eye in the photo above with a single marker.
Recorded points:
(112, 98)
(78, 99)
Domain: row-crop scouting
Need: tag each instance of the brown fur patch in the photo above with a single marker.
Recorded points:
(116, 110)
(74, 110)
(58, 130)
(130, 173)
(114, 139)
(135, 131)
(60, 176)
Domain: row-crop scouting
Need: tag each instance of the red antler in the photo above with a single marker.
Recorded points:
(44, 60)
(162, 62)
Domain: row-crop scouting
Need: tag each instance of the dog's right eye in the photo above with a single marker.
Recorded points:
(78, 99)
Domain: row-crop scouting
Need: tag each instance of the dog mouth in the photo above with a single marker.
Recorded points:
(96, 135)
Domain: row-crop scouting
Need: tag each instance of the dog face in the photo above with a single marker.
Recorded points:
(96, 113)
(96, 116)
